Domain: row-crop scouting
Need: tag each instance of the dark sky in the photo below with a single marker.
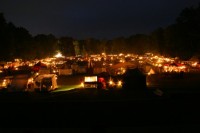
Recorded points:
(93, 18)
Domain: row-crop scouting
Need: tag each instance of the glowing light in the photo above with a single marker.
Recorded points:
(140, 57)
(194, 64)
(4, 82)
(121, 54)
(156, 57)
(119, 83)
(16, 68)
(123, 71)
(58, 55)
(103, 54)
(182, 67)
(122, 61)
(30, 80)
(82, 84)
(91, 79)
(111, 82)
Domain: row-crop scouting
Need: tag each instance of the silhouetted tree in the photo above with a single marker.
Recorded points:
(66, 46)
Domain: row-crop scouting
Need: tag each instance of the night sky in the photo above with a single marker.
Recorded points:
(102, 19)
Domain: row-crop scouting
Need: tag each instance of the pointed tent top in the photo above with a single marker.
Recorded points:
(151, 71)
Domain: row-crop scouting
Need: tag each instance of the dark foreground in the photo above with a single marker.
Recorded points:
(102, 111)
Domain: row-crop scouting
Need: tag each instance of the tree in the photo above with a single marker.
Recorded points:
(66, 46)
(188, 27)
(45, 45)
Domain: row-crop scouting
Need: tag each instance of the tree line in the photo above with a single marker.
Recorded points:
(180, 39)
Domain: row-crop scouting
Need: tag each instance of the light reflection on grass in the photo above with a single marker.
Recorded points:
(66, 88)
